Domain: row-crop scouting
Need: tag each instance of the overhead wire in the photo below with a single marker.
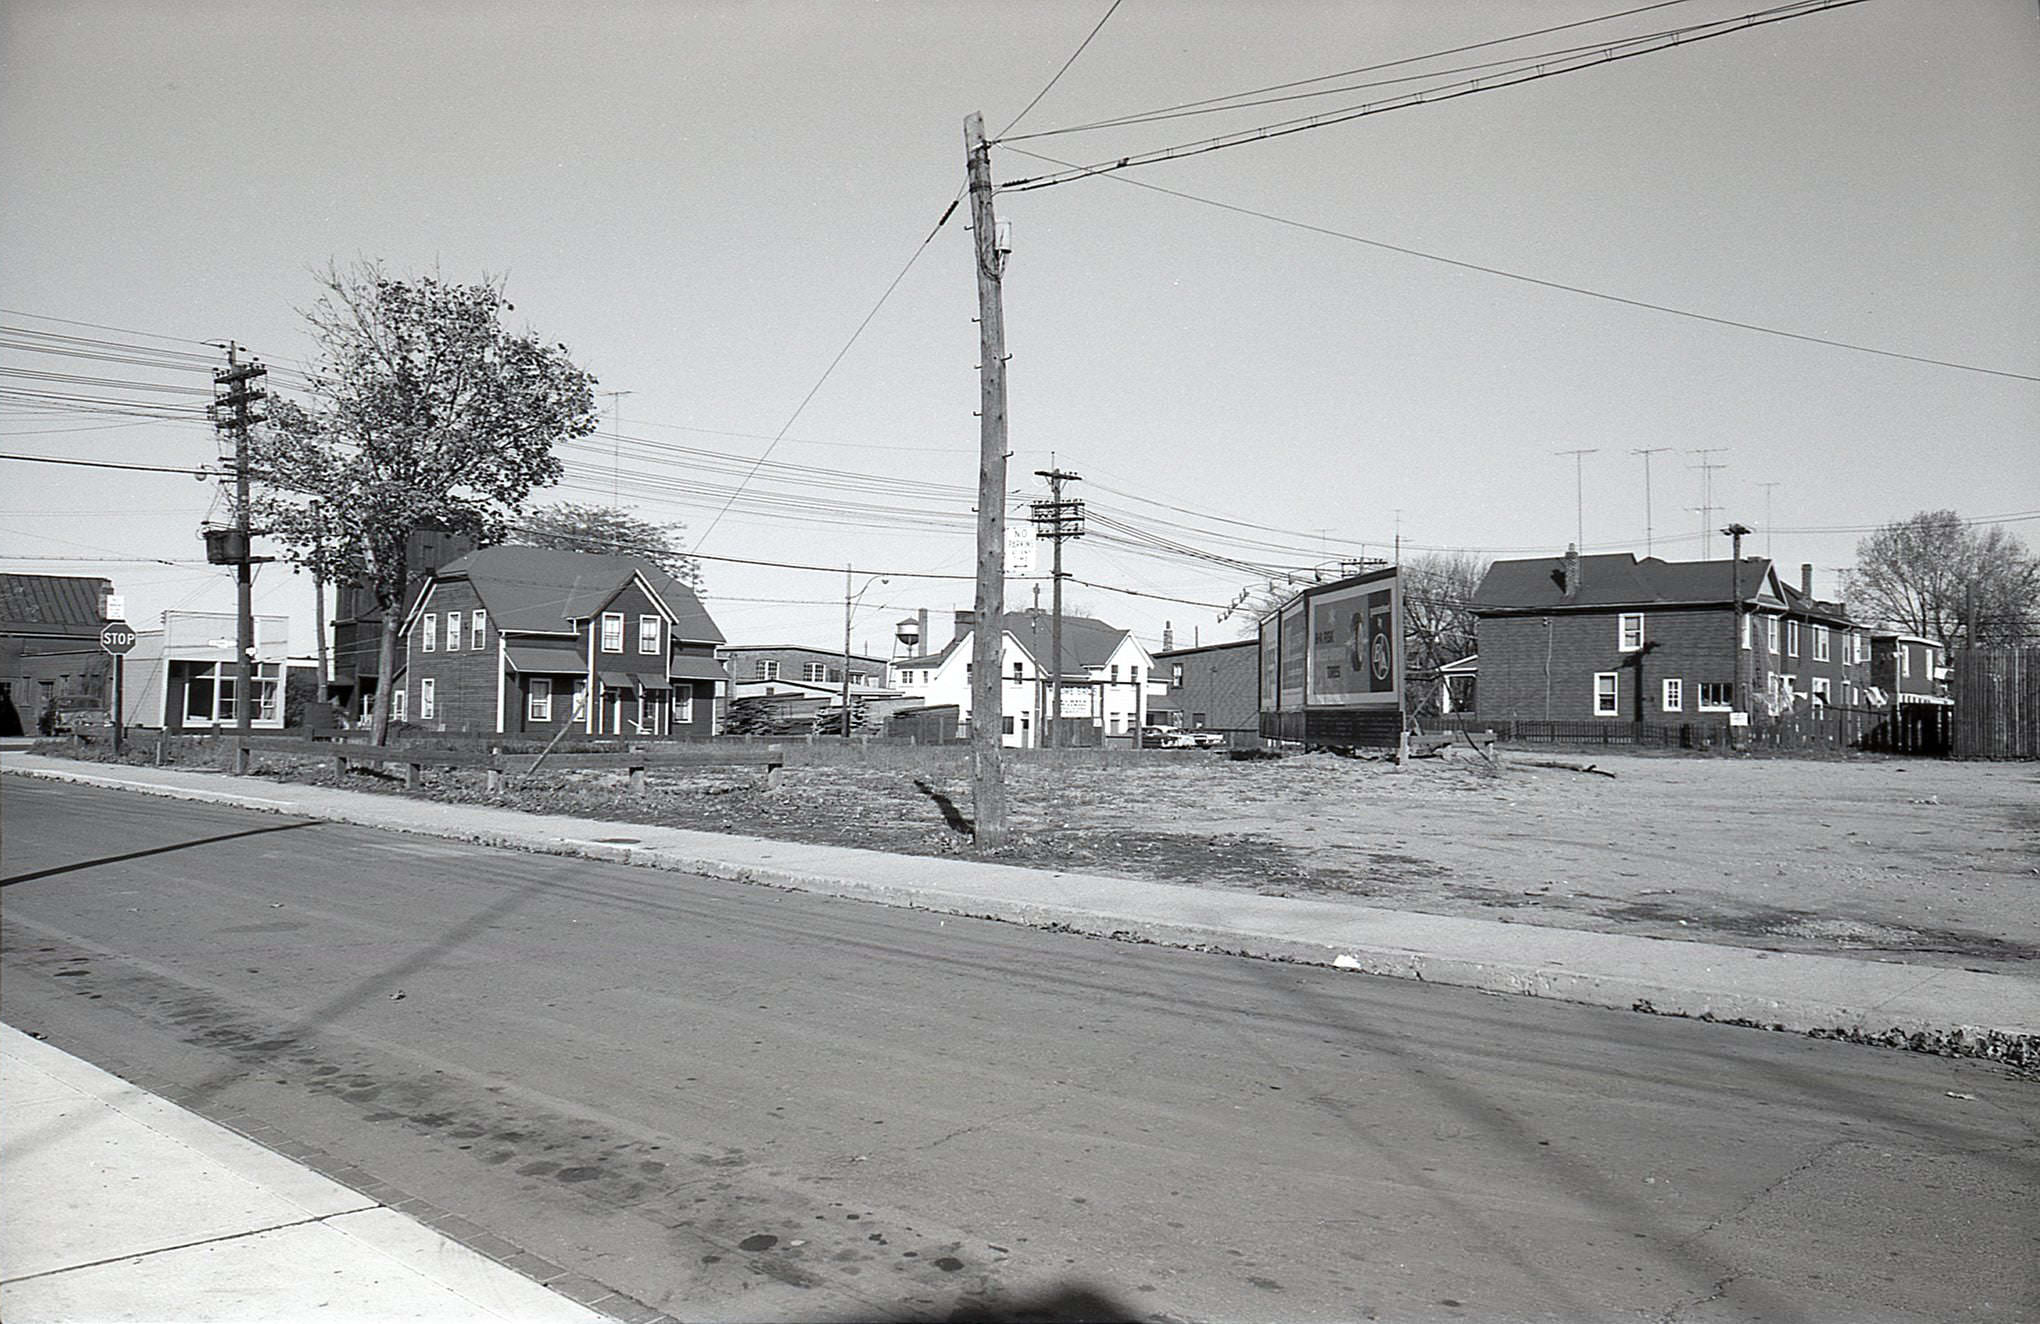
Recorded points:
(1429, 96)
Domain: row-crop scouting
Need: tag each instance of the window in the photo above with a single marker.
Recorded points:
(1675, 696)
(814, 671)
(430, 640)
(1133, 674)
(1792, 638)
(683, 705)
(1629, 631)
(1904, 660)
(1862, 648)
(209, 692)
(199, 690)
(1605, 701)
(1198, 719)
(580, 709)
(453, 624)
(1019, 671)
(1820, 692)
(1714, 696)
(1006, 725)
(428, 698)
(1771, 634)
(1115, 674)
(765, 668)
(612, 632)
(648, 634)
(478, 628)
(1176, 674)
(538, 706)
(860, 678)
(1820, 643)
(400, 705)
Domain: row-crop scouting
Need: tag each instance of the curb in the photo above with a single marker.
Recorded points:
(2016, 1046)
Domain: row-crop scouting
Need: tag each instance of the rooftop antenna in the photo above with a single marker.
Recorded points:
(1707, 469)
(1580, 491)
(616, 447)
(1648, 549)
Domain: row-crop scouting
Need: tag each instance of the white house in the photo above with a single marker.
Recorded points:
(1104, 675)
(181, 676)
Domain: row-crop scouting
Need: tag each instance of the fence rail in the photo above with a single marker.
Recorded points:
(1907, 729)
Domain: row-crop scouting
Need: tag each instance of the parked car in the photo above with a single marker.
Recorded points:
(1159, 737)
(1204, 739)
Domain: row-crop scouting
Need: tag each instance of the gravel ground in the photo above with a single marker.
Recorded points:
(1917, 860)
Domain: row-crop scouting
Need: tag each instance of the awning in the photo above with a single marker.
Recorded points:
(696, 668)
(548, 659)
(631, 680)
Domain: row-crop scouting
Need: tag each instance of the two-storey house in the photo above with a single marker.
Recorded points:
(1104, 671)
(1611, 637)
(1216, 687)
(1908, 668)
(526, 640)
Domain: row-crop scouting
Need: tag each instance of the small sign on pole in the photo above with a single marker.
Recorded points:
(118, 638)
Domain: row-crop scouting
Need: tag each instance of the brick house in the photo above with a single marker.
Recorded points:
(1580, 638)
(1213, 688)
(50, 659)
(1908, 668)
(515, 640)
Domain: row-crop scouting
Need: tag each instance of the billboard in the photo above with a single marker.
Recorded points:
(1355, 645)
(1271, 671)
(1293, 639)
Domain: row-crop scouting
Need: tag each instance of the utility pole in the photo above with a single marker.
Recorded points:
(234, 414)
(849, 606)
(616, 448)
(1707, 469)
(1580, 492)
(1739, 701)
(1770, 547)
(1649, 533)
(988, 783)
(1057, 520)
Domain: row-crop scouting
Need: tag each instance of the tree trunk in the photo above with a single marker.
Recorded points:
(386, 672)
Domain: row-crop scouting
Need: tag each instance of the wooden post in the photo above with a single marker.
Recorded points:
(413, 775)
(988, 788)
(495, 780)
(637, 780)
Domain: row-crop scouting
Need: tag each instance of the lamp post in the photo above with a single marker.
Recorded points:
(849, 606)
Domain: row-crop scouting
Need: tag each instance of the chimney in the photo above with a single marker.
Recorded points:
(1168, 635)
(1806, 579)
(966, 618)
(1571, 586)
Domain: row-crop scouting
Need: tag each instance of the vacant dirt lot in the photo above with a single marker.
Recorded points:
(1914, 860)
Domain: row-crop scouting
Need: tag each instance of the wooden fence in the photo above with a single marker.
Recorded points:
(1997, 703)
(1921, 729)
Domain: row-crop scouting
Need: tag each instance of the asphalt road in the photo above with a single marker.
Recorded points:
(734, 1102)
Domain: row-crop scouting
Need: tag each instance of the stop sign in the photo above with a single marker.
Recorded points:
(116, 637)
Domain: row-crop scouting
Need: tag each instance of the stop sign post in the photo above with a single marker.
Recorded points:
(117, 638)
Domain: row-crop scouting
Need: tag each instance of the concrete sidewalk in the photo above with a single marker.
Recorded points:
(122, 1206)
(1930, 1007)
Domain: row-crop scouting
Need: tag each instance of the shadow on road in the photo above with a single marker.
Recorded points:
(1074, 1303)
(153, 850)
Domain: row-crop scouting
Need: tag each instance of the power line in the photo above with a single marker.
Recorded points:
(1506, 274)
(1060, 72)
(105, 464)
(1237, 100)
(1429, 96)
(943, 220)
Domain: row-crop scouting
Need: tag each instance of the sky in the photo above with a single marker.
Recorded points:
(705, 201)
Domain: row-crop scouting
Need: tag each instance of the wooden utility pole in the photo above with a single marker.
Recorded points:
(1057, 520)
(987, 712)
(1739, 700)
(242, 391)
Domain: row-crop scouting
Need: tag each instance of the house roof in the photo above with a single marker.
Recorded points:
(1615, 580)
(828, 654)
(63, 602)
(1086, 641)
(547, 590)
(1254, 643)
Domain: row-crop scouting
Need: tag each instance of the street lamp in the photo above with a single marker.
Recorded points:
(849, 606)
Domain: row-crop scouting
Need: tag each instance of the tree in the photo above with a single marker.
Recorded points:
(422, 408)
(1939, 577)
(1438, 625)
(573, 527)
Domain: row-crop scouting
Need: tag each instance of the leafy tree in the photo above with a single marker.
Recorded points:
(1936, 576)
(422, 408)
(575, 527)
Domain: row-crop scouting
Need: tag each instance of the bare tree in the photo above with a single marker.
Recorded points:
(1438, 624)
(576, 527)
(1937, 576)
(422, 409)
